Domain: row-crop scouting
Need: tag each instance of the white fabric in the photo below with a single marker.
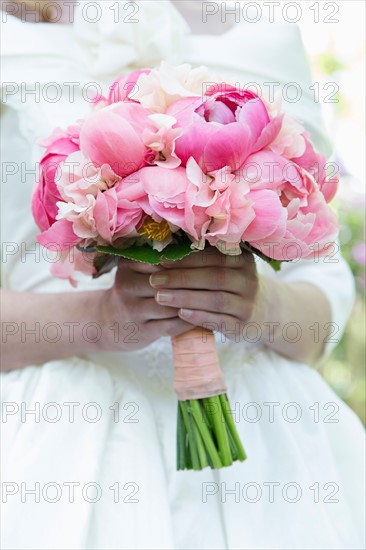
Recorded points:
(173, 510)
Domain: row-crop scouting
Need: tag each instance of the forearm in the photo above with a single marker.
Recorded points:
(42, 327)
(294, 318)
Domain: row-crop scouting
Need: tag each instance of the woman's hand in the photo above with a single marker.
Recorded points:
(225, 294)
(211, 290)
(129, 308)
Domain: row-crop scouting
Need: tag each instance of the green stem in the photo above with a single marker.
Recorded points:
(234, 451)
(200, 446)
(205, 433)
(231, 425)
(220, 429)
(191, 441)
(181, 441)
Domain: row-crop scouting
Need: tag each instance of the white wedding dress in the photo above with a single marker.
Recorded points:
(105, 482)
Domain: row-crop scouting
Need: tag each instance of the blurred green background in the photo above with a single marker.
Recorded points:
(337, 55)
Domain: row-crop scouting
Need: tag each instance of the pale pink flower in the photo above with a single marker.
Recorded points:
(166, 84)
(161, 141)
(125, 88)
(230, 214)
(290, 141)
(81, 177)
(81, 215)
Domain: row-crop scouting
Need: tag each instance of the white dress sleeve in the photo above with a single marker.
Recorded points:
(333, 277)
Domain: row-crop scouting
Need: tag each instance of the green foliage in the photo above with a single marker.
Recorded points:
(329, 64)
(148, 255)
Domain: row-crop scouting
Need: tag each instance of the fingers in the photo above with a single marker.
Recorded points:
(149, 309)
(210, 257)
(221, 278)
(138, 267)
(214, 302)
(226, 324)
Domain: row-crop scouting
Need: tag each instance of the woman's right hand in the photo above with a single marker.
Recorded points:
(130, 315)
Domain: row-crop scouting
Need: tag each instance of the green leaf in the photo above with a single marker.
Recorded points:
(144, 253)
(276, 264)
(147, 254)
(178, 251)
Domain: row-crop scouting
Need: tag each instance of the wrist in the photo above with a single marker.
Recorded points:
(91, 337)
(266, 310)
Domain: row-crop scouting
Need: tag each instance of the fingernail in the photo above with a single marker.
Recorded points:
(186, 313)
(158, 279)
(164, 297)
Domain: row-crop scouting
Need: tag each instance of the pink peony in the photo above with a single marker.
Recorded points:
(270, 217)
(310, 231)
(113, 136)
(218, 209)
(58, 146)
(116, 216)
(315, 164)
(221, 130)
(60, 236)
(268, 170)
(160, 192)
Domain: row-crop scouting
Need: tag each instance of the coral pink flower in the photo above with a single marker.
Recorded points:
(58, 146)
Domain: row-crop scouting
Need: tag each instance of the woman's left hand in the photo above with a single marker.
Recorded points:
(210, 289)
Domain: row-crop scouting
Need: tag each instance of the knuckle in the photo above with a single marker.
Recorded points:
(221, 278)
(220, 302)
(184, 278)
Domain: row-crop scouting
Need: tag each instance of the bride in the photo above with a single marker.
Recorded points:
(89, 413)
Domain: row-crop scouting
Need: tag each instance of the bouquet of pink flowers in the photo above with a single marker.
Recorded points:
(171, 162)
